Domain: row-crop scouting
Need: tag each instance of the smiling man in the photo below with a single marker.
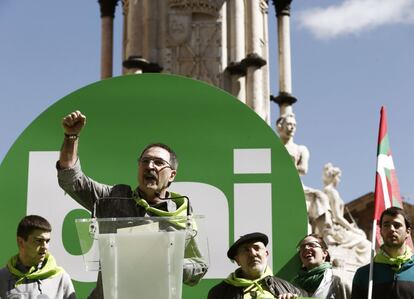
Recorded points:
(33, 272)
(254, 278)
(393, 265)
(157, 169)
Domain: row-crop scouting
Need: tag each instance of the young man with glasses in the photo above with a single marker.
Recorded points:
(157, 168)
(254, 278)
(33, 272)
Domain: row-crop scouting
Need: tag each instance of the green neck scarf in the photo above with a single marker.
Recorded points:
(310, 280)
(48, 269)
(248, 284)
(396, 262)
(180, 212)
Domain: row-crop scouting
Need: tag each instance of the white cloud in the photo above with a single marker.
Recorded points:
(355, 16)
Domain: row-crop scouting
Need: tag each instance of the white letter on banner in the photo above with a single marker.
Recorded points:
(253, 201)
(253, 211)
(47, 199)
(210, 202)
(252, 160)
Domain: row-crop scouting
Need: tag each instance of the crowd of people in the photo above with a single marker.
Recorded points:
(33, 272)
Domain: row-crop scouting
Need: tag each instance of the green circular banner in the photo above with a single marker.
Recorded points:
(232, 166)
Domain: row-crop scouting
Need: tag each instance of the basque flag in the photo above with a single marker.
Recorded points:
(387, 191)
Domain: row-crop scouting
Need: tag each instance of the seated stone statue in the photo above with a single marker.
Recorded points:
(342, 233)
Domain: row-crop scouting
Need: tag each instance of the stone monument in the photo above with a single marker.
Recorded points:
(221, 42)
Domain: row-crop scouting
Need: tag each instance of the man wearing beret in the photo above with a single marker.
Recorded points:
(254, 278)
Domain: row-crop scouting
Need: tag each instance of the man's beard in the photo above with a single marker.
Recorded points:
(396, 244)
(258, 269)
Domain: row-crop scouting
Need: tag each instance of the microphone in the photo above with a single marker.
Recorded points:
(177, 197)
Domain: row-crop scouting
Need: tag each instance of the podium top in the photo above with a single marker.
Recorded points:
(91, 230)
(139, 224)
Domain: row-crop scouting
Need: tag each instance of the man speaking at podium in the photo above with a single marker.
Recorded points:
(157, 169)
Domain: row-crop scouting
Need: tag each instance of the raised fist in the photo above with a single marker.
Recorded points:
(73, 123)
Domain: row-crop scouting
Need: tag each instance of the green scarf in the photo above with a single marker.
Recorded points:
(248, 284)
(310, 280)
(48, 269)
(396, 262)
(180, 212)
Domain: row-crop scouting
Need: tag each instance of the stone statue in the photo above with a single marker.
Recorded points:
(286, 127)
(342, 234)
(347, 243)
(331, 177)
(317, 203)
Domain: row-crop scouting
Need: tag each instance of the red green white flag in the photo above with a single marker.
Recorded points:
(387, 191)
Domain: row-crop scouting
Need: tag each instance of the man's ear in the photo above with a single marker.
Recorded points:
(20, 242)
(408, 233)
(172, 175)
(236, 260)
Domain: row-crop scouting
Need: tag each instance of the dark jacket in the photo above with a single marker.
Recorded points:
(274, 285)
(388, 284)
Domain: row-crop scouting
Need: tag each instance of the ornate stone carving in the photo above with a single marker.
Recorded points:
(210, 7)
(179, 27)
(200, 56)
(125, 4)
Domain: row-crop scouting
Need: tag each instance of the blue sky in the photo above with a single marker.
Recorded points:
(349, 57)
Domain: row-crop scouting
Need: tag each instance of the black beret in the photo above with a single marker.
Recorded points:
(253, 237)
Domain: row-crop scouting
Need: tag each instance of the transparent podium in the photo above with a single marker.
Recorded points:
(142, 257)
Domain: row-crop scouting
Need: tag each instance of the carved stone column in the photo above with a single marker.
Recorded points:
(139, 34)
(285, 98)
(107, 8)
(254, 60)
(237, 48)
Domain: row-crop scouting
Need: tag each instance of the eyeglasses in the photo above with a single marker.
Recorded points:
(308, 245)
(158, 162)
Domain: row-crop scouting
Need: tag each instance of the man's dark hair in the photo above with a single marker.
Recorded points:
(30, 223)
(394, 212)
(173, 156)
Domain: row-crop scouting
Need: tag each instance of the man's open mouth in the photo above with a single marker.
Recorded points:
(150, 176)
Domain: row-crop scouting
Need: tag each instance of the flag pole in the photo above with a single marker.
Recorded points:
(378, 208)
(371, 264)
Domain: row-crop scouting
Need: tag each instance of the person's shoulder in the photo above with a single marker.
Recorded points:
(4, 270)
(341, 282)
(66, 275)
(362, 271)
(5, 273)
(361, 276)
(280, 280)
(218, 290)
(219, 286)
(281, 286)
